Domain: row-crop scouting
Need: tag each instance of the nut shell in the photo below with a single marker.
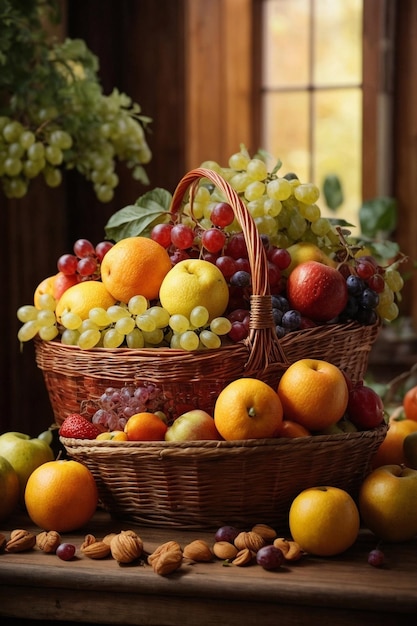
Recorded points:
(20, 541)
(126, 546)
(250, 540)
(198, 550)
(48, 541)
(167, 558)
(96, 550)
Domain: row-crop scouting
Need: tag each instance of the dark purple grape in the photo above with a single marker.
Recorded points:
(270, 557)
(277, 316)
(291, 320)
(280, 331)
(369, 299)
(240, 279)
(280, 302)
(351, 308)
(65, 551)
(355, 285)
(226, 533)
(376, 558)
(366, 316)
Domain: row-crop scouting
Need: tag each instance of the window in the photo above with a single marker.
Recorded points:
(311, 91)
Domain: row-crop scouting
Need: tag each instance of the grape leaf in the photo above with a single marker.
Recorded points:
(378, 216)
(333, 191)
(138, 219)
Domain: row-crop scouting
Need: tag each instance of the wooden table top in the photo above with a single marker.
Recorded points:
(339, 590)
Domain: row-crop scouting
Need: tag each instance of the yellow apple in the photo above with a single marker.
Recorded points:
(306, 251)
(388, 502)
(324, 520)
(191, 283)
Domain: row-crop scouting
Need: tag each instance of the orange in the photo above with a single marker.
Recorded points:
(145, 427)
(291, 430)
(83, 297)
(391, 451)
(135, 266)
(314, 393)
(324, 520)
(247, 408)
(61, 495)
(410, 403)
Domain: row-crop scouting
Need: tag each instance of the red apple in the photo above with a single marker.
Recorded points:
(317, 291)
(365, 407)
(195, 425)
(61, 283)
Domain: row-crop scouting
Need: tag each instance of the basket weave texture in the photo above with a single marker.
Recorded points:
(208, 484)
(194, 379)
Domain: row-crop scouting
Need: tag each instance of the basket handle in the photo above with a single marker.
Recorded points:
(263, 344)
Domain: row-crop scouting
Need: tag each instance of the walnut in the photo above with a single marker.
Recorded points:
(126, 546)
(250, 540)
(166, 558)
(198, 550)
(107, 539)
(20, 541)
(48, 541)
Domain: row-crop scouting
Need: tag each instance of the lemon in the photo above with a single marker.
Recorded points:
(82, 297)
(191, 283)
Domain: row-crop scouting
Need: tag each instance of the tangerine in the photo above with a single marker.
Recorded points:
(314, 393)
(61, 495)
(248, 408)
(410, 403)
(145, 426)
(391, 451)
(83, 297)
(135, 266)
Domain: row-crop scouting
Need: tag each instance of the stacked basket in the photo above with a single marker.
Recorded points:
(205, 484)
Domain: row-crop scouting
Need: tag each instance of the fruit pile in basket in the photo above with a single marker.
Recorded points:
(184, 279)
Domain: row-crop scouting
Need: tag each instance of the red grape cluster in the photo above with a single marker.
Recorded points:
(84, 262)
(116, 405)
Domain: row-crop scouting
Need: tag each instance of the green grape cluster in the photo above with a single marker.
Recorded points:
(54, 115)
(135, 324)
(283, 207)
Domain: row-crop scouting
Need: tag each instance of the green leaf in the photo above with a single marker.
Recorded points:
(378, 216)
(138, 219)
(333, 191)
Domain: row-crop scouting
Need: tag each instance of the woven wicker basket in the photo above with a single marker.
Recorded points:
(194, 379)
(209, 484)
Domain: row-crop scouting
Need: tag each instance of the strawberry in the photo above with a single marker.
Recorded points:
(76, 426)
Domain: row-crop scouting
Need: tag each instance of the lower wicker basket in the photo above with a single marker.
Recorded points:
(207, 484)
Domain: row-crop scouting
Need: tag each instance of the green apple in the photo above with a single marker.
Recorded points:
(24, 454)
(388, 502)
(410, 450)
(9, 489)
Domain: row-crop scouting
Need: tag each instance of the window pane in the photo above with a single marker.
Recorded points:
(286, 124)
(338, 133)
(286, 43)
(337, 42)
